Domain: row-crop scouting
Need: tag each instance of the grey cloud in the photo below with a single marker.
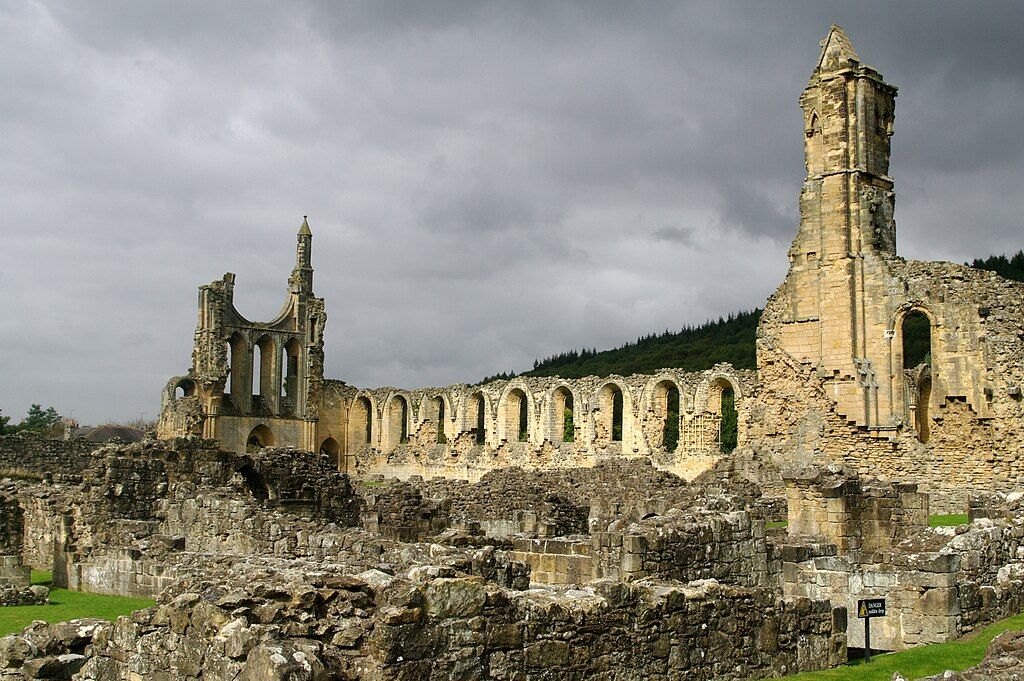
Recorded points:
(674, 233)
(751, 212)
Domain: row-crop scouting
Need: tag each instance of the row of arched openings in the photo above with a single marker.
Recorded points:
(517, 412)
(253, 372)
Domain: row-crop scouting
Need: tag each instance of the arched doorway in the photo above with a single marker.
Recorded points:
(259, 438)
(331, 448)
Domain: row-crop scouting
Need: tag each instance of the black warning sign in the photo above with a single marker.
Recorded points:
(871, 607)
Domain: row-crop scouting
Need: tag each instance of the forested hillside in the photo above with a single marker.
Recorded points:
(693, 348)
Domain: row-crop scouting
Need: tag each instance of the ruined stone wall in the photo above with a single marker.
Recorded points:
(848, 541)
(561, 502)
(938, 585)
(31, 456)
(866, 516)
(258, 624)
(415, 449)
(12, 520)
(14, 574)
(685, 546)
(695, 544)
(399, 511)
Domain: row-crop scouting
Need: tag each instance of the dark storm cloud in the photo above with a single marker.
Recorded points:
(487, 182)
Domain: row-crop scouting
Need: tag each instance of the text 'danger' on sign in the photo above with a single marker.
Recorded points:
(871, 607)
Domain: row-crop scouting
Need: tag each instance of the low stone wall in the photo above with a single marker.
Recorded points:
(29, 595)
(567, 502)
(686, 546)
(854, 514)
(683, 545)
(556, 561)
(938, 585)
(32, 456)
(398, 510)
(123, 572)
(252, 623)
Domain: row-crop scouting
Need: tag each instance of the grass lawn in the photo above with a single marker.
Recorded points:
(66, 605)
(922, 661)
(950, 520)
(776, 523)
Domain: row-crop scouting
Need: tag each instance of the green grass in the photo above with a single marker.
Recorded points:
(916, 663)
(776, 523)
(67, 605)
(948, 520)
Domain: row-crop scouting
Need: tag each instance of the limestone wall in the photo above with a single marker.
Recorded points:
(684, 546)
(254, 624)
(851, 541)
(539, 441)
(855, 515)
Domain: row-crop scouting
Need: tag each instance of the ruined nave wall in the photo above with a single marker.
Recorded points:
(441, 431)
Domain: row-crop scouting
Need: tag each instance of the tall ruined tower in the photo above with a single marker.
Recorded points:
(846, 229)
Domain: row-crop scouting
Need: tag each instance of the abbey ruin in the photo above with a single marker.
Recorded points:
(292, 526)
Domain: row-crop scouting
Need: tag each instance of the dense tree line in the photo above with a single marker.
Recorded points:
(1011, 268)
(693, 348)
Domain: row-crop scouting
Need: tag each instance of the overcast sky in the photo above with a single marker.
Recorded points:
(487, 183)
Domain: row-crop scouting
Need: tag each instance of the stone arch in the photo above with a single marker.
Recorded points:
(900, 326)
(664, 411)
(292, 365)
(613, 409)
(722, 394)
(476, 413)
(708, 393)
(515, 413)
(239, 359)
(436, 410)
(562, 419)
(914, 340)
(263, 374)
(361, 421)
(186, 387)
(331, 448)
(259, 437)
(396, 420)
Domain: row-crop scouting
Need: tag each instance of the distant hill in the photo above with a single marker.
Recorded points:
(1011, 268)
(693, 348)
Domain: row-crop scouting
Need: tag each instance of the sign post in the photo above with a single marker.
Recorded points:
(866, 609)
